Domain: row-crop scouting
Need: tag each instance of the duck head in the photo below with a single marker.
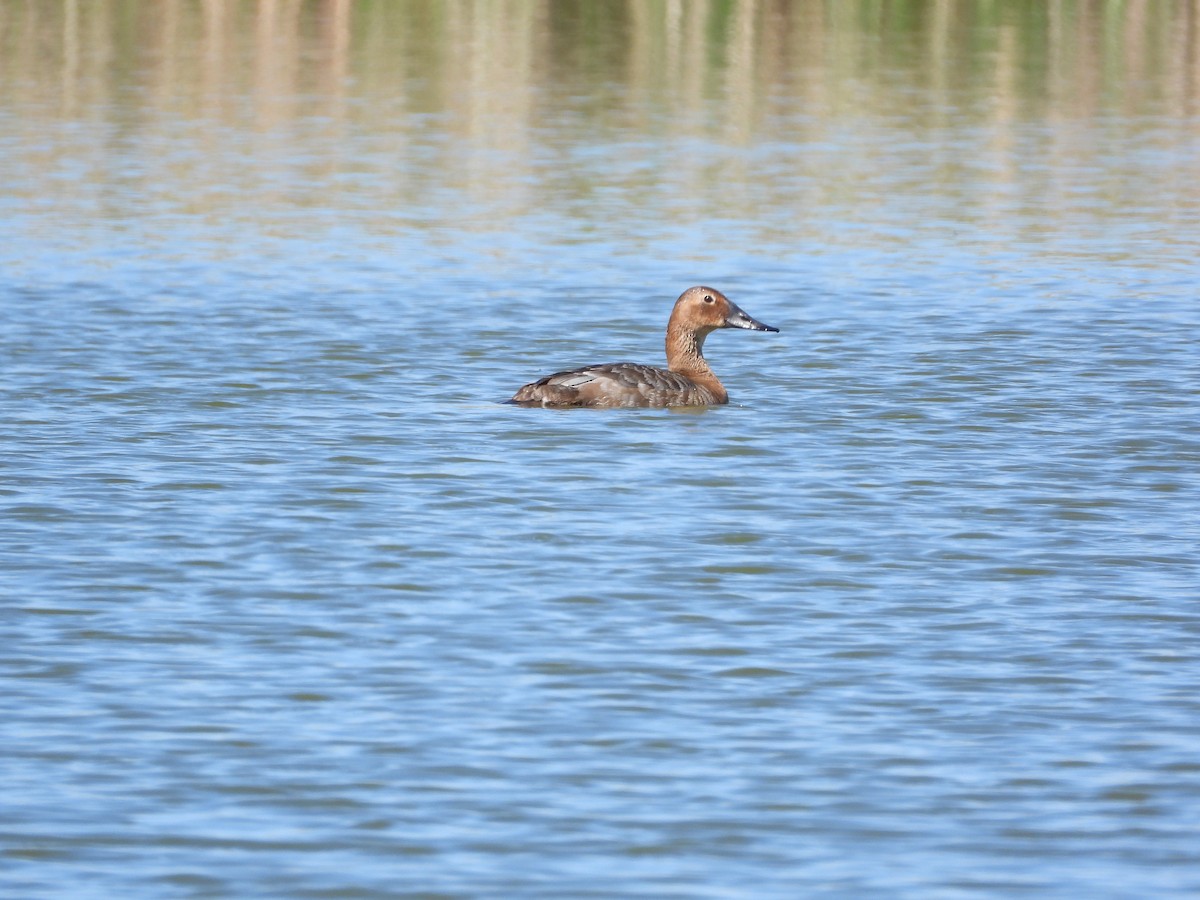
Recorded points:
(706, 309)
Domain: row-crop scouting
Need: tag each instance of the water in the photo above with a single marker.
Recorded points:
(294, 606)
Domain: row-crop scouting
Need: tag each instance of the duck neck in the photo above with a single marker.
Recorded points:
(685, 355)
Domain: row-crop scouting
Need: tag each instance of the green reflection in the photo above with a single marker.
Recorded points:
(1069, 56)
(405, 108)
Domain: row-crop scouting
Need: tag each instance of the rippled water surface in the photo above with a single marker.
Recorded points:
(294, 605)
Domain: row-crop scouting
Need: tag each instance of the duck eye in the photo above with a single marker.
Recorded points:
(708, 298)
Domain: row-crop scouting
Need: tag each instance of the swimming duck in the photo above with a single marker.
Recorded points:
(686, 381)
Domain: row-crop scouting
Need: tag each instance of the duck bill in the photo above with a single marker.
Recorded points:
(737, 318)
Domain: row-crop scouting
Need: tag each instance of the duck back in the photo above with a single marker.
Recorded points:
(615, 385)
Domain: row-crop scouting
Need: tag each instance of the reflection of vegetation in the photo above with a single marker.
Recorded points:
(1075, 55)
(838, 81)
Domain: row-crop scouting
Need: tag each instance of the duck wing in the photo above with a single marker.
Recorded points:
(614, 384)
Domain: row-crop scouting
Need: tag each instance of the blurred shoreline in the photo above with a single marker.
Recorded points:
(489, 61)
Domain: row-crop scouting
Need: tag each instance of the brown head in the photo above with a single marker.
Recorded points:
(698, 312)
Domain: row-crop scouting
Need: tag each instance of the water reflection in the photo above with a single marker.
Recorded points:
(497, 76)
(1063, 58)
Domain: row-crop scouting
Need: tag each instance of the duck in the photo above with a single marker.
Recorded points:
(686, 381)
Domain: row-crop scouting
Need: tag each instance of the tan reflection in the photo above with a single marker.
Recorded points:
(499, 74)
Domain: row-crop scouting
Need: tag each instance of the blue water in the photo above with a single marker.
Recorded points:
(294, 605)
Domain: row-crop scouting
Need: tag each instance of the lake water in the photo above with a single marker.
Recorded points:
(294, 605)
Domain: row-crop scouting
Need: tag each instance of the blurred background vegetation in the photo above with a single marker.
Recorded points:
(491, 58)
(817, 110)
